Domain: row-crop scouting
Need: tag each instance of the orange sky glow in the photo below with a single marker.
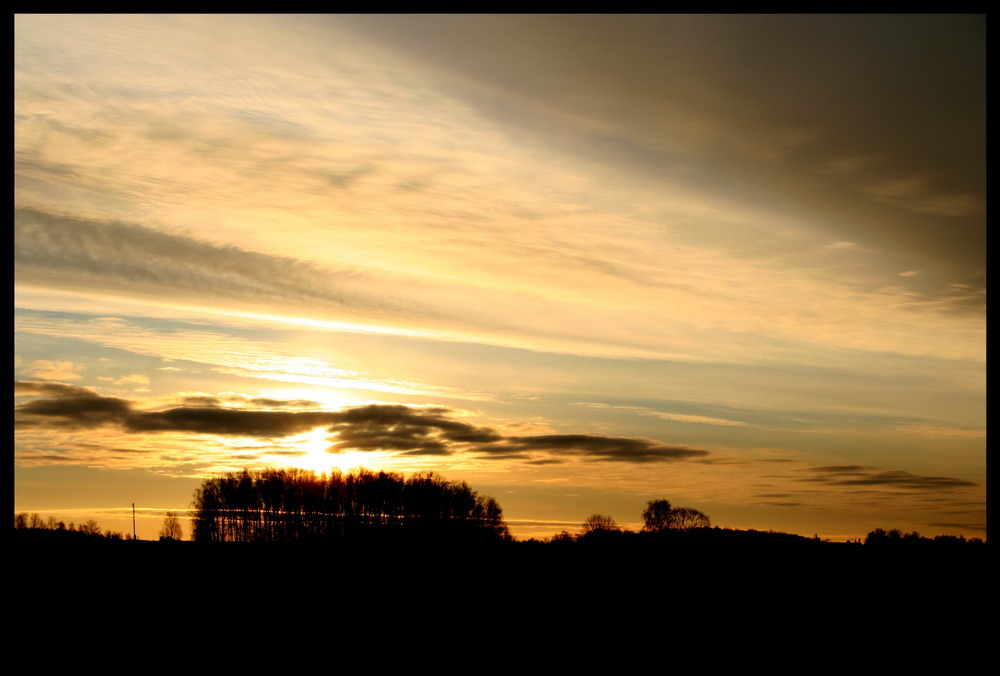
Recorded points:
(580, 262)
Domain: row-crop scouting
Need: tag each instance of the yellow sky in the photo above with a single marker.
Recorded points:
(554, 228)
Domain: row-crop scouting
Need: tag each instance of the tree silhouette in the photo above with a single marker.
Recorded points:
(599, 522)
(659, 516)
(293, 505)
(171, 529)
(90, 527)
(685, 518)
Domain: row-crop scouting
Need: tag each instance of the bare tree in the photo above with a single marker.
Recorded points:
(659, 516)
(171, 529)
(686, 518)
(598, 522)
(90, 528)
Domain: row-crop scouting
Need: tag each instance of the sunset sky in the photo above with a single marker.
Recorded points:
(580, 262)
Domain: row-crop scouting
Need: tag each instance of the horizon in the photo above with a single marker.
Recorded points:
(578, 261)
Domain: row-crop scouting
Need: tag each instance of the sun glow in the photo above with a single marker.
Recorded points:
(317, 457)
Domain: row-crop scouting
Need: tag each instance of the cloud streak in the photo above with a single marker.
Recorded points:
(665, 415)
(109, 255)
(292, 199)
(595, 447)
(68, 406)
(856, 475)
(395, 428)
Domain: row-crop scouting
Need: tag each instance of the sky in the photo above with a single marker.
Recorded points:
(578, 261)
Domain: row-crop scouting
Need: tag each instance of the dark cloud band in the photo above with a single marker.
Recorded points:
(378, 427)
(856, 475)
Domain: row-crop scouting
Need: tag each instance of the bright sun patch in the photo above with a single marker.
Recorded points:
(317, 458)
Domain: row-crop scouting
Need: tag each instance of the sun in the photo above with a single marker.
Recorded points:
(316, 456)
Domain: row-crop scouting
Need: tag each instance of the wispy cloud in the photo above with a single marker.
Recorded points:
(914, 195)
(850, 246)
(856, 475)
(291, 202)
(226, 352)
(727, 308)
(943, 431)
(54, 370)
(392, 428)
(664, 415)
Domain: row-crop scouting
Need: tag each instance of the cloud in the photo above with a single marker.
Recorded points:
(202, 400)
(54, 370)
(906, 480)
(429, 431)
(226, 421)
(242, 401)
(954, 205)
(943, 431)
(135, 378)
(412, 431)
(841, 469)
(29, 388)
(394, 428)
(102, 255)
(849, 246)
(913, 195)
(514, 243)
(68, 406)
(856, 475)
(227, 352)
(663, 415)
(973, 525)
(847, 164)
(597, 447)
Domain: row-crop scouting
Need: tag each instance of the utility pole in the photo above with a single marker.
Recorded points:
(133, 522)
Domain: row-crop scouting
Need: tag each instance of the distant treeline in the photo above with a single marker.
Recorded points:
(896, 537)
(710, 537)
(293, 505)
(666, 525)
(23, 521)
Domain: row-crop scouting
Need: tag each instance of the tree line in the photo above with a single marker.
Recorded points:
(88, 528)
(294, 505)
(658, 517)
(896, 538)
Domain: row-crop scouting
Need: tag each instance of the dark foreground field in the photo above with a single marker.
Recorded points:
(617, 598)
(716, 564)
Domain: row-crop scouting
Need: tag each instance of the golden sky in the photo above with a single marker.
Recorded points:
(581, 262)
